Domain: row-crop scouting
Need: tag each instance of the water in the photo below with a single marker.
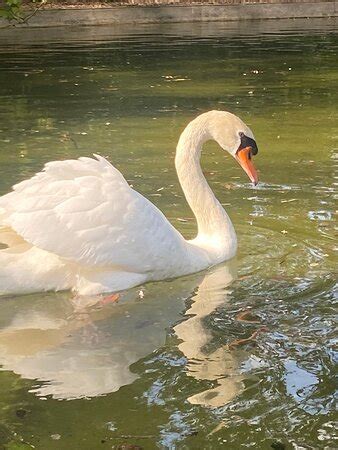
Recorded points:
(164, 367)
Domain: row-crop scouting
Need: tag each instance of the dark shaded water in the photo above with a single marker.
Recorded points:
(161, 369)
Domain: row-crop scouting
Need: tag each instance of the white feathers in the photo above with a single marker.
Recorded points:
(85, 211)
(78, 224)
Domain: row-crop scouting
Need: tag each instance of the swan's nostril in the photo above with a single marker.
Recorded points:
(254, 148)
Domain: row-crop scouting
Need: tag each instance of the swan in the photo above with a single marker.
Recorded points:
(78, 224)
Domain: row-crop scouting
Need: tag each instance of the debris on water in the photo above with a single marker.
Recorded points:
(239, 342)
(175, 78)
(289, 201)
(218, 427)
(247, 316)
(111, 426)
(65, 137)
(229, 186)
(284, 232)
(55, 437)
(141, 293)
(21, 413)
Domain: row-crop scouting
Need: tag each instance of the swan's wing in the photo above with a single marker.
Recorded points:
(85, 211)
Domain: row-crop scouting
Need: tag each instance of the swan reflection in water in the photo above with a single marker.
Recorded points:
(75, 349)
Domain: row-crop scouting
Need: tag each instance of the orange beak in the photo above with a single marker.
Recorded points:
(243, 156)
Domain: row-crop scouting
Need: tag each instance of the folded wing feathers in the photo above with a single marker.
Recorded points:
(83, 210)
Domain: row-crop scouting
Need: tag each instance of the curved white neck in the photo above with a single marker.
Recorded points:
(215, 230)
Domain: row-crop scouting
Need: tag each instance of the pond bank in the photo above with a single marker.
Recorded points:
(10, 39)
(165, 13)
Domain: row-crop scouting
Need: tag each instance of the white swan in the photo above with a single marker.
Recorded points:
(79, 225)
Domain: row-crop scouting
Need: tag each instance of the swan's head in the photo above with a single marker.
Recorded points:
(231, 133)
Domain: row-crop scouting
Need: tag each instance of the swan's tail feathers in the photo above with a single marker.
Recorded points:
(25, 269)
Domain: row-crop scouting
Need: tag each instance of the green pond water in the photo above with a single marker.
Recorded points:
(163, 368)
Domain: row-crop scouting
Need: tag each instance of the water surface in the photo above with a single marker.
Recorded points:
(163, 368)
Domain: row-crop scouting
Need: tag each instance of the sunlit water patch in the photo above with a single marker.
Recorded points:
(241, 355)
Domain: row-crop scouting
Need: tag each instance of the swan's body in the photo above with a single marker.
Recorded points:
(79, 225)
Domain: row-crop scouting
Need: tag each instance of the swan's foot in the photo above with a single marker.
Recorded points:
(113, 298)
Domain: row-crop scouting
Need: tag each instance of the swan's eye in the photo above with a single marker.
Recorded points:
(241, 134)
